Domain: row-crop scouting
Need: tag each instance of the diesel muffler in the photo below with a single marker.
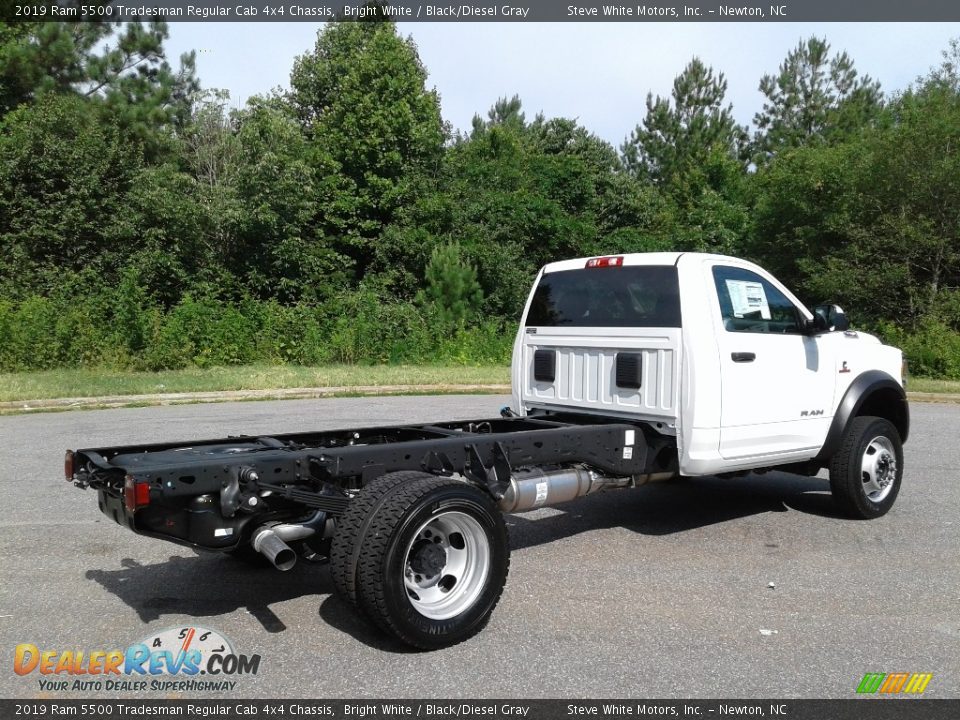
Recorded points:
(537, 488)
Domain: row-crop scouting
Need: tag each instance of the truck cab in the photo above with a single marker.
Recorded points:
(707, 349)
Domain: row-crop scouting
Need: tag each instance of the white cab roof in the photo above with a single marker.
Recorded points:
(653, 258)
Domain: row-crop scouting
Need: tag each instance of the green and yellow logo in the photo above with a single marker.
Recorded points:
(894, 683)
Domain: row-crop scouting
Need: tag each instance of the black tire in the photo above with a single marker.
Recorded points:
(864, 484)
(347, 542)
(465, 580)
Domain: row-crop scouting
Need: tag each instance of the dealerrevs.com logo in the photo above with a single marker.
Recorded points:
(177, 659)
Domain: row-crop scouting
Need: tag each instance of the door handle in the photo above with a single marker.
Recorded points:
(739, 357)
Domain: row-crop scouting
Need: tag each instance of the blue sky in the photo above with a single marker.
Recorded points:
(599, 73)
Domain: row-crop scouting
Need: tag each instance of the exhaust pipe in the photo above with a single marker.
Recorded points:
(537, 488)
(266, 542)
(290, 532)
(271, 539)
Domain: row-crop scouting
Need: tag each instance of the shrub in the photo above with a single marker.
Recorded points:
(933, 351)
(123, 328)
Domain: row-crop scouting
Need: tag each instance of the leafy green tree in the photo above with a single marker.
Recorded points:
(691, 148)
(815, 97)
(236, 211)
(911, 192)
(563, 136)
(184, 209)
(140, 86)
(361, 99)
(872, 222)
(164, 226)
(214, 157)
(334, 223)
(515, 198)
(679, 133)
(64, 175)
(947, 74)
(630, 215)
(711, 206)
(283, 247)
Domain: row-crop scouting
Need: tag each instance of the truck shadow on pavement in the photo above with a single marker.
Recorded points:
(676, 507)
(209, 585)
(212, 585)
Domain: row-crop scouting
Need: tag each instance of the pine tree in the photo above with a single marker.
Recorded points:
(88, 59)
(505, 112)
(451, 288)
(814, 98)
(127, 73)
(680, 133)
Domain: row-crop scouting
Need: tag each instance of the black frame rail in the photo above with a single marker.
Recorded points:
(482, 450)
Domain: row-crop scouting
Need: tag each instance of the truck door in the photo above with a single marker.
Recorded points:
(776, 384)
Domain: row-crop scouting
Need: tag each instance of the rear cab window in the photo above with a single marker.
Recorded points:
(623, 296)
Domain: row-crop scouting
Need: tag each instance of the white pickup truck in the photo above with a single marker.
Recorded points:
(715, 352)
(627, 369)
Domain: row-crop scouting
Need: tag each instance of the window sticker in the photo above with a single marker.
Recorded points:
(748, 298)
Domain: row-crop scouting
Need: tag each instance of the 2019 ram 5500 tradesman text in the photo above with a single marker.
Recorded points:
(627, 369)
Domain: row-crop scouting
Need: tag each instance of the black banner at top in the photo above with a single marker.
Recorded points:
(483, 11)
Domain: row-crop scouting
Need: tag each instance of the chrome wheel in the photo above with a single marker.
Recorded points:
(867, 468)
(878, 468)
(446, 565)
(435, 558)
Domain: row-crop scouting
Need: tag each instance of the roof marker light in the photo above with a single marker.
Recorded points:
(610, 261)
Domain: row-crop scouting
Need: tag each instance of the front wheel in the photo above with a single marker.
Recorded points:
(434, 562)
(865, 473)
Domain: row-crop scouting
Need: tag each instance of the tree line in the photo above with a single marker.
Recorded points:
(144, 224)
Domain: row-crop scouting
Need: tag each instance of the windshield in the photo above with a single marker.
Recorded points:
(631, 296)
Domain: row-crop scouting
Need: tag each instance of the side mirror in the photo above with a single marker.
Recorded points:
(829, 318)
(818, 324)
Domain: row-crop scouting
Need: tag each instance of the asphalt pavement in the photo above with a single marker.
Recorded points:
(748, 587)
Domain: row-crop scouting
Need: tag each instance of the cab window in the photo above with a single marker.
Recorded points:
(749, 303)
(631, 296)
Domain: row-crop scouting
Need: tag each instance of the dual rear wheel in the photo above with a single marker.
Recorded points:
(425, 557)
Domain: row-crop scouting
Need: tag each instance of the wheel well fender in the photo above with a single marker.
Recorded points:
(871, 393)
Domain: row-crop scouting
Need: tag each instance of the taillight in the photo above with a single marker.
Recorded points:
(135, 494)
(613, 261)
(68, 465)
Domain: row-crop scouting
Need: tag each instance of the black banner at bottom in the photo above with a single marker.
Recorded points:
(875, 708)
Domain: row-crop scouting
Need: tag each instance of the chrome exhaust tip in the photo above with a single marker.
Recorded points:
(266, 542)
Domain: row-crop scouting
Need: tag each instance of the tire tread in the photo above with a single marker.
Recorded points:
(346, 549)
(845, 486)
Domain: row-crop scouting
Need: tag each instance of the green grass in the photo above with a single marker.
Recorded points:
(101, 383)
(928, 385)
